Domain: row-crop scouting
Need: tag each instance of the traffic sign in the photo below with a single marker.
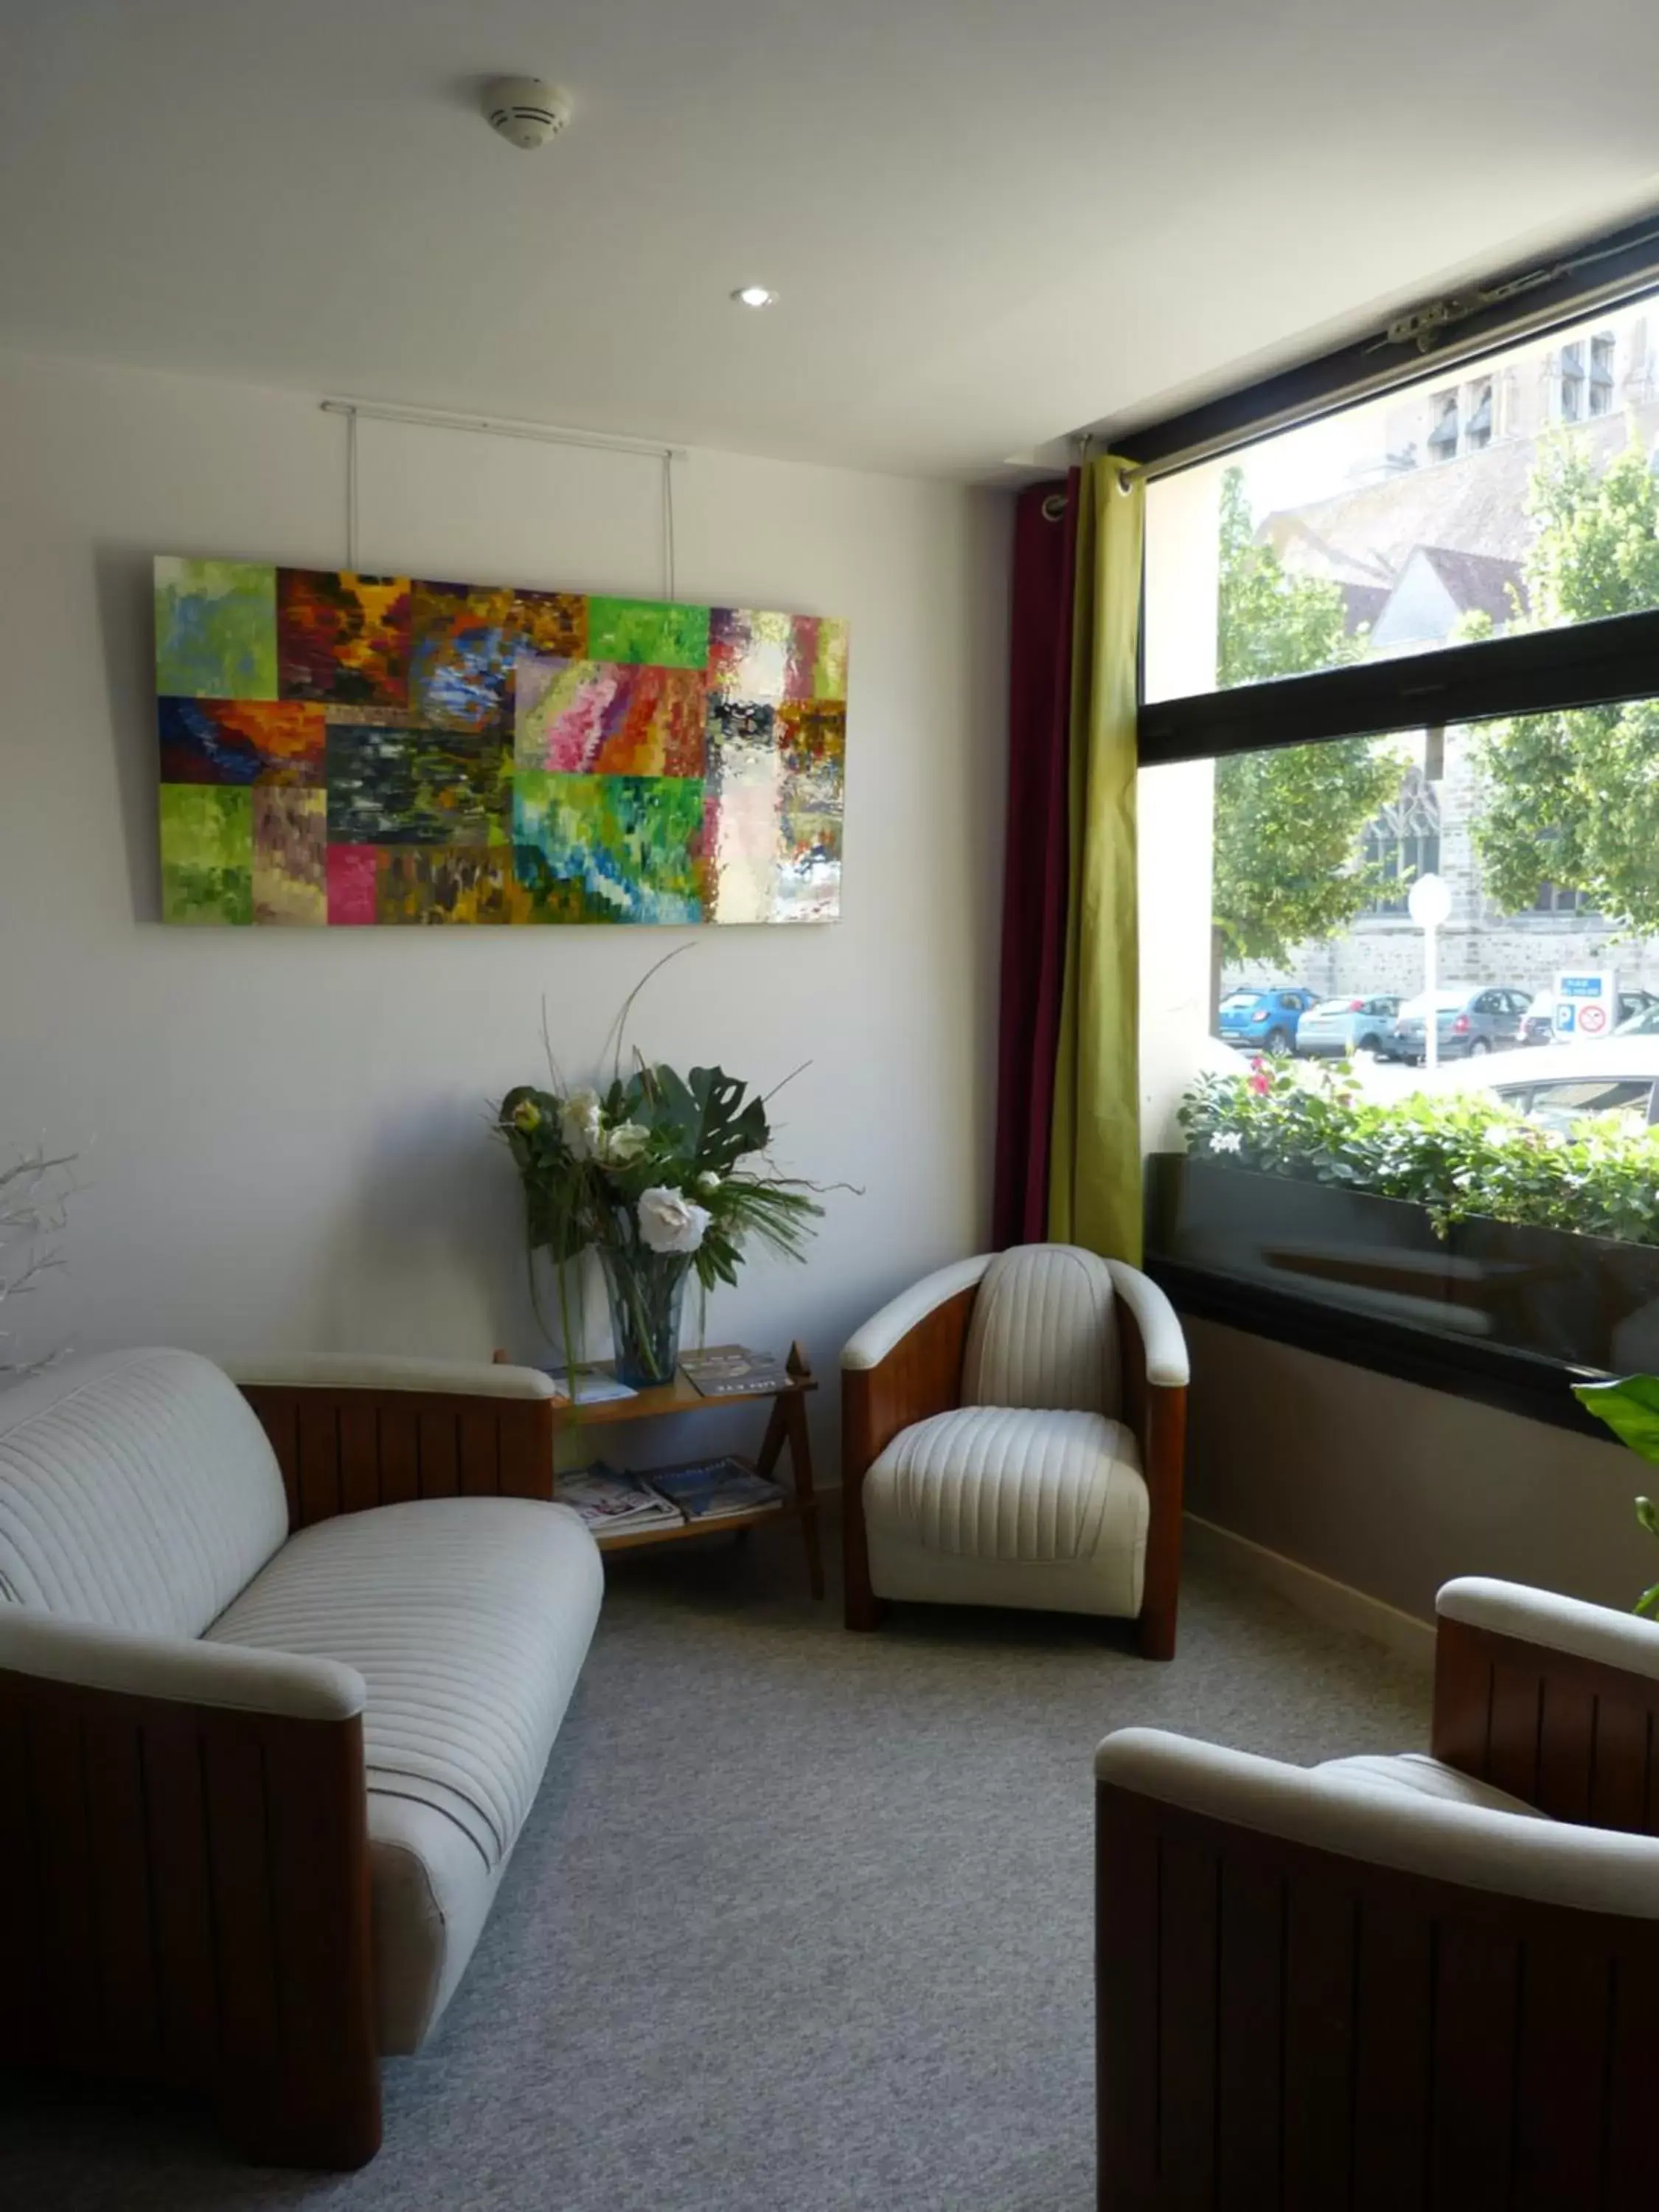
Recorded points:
(1592, 1019)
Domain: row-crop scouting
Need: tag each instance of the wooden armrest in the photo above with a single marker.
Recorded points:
(914, 1376)
(1274, 2018)
(903, 1367)
(346, 1445)
(184, 1670)
(185, 1900)
(1157, 1411)
(1556, 1702)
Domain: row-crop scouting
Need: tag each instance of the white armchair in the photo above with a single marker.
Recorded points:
(1013, 1434)
(1407, 1981)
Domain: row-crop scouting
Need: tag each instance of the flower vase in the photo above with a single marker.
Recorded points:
(647, 1291)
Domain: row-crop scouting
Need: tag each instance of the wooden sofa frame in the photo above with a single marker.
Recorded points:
(184, 1888)
(1281, 2026)
(921, 1376)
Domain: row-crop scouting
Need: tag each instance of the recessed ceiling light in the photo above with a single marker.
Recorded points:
(755, 295)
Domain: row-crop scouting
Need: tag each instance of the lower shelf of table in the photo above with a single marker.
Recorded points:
(634, 1539)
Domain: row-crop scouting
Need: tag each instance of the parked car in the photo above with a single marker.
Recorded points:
(1265, 1021)
(1469, 1021)
(1617, 1074)
(1643, 1023)
(1539, 1026)
(1338, 1028)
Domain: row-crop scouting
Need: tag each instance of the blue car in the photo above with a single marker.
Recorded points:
(1264, 1021)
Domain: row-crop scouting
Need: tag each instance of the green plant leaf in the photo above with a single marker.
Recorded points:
(1630, 1409)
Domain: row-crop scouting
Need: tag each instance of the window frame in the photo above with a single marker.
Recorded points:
(1599, 663)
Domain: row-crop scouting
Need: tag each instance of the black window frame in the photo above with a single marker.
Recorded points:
(1601, 663)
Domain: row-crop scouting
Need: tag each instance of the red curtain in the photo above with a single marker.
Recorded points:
(1034, 895)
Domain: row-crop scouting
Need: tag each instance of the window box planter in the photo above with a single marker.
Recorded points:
(1553, 1297)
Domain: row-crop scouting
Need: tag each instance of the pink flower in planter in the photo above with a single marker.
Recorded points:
(1261, 1082)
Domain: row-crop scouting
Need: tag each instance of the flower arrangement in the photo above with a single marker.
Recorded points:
(664, 1176)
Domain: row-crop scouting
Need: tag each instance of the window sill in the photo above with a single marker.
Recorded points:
(1491, 1375)
(1506, 1315)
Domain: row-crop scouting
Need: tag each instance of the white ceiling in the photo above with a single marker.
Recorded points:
(990, 221)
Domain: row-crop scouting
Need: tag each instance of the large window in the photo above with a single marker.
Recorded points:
(1391, 554)
(1414, 638)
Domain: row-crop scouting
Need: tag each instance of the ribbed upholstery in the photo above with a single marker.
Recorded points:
(998, 1505)
(1043, 1332)
(137, 1490)
(1420, 1776)
(994, 1482)
(468, 1619)
(457, 1613)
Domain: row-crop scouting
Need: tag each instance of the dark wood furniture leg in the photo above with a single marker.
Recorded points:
(1156, 1413)
(787, 1424)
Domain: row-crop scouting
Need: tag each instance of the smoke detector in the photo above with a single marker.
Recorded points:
(526, 110)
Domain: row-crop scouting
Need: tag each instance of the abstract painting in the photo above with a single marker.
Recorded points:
(347, 751)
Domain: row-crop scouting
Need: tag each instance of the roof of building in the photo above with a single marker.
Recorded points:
(1475, 505)
(1477, 582)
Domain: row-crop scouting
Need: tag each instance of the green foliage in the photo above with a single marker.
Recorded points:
(1574, 797)
(1286, 823)
(1269, 622)
(587, 1161)
(1459, 1157)
(1630, 1409)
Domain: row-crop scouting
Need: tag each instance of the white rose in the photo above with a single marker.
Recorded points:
(580, 1123)
(620, 1146)
(670, 1223)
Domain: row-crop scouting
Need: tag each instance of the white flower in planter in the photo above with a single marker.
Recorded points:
(1226, 1140)
(620, 1146)
(581, 1123)
(670, 1222)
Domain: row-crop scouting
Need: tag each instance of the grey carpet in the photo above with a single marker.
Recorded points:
(801, 1920)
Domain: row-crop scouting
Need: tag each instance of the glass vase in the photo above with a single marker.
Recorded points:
(647, 1291)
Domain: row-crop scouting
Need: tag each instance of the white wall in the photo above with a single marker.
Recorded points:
(1393, 1489)
(284, 1135)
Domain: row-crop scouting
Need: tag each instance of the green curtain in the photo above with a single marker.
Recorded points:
(1095, 1179)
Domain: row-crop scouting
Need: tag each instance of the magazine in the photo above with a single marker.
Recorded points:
(593, 1388)
(614, 1502)
(714, 1490)
(731, 1371)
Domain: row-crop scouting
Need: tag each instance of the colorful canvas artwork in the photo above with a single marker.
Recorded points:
(347, 751)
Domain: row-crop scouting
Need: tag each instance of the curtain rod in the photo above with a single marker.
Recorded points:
(548, 433)
(1439, 337)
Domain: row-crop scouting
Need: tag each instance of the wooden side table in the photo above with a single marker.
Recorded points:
(786, 1425)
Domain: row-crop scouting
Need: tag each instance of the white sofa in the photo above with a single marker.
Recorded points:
(382, 1688)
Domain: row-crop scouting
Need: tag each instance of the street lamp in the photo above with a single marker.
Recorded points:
(1429, 904)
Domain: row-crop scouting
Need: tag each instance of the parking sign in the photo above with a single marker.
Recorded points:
(1585, 1000)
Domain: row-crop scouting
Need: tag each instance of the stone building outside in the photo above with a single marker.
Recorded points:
(1429, 531)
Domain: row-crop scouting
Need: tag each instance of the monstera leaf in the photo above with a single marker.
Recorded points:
(1630, 1409)
(706, 1116)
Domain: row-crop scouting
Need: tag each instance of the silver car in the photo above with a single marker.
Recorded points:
(1336, 1028)
(1570, 1084)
